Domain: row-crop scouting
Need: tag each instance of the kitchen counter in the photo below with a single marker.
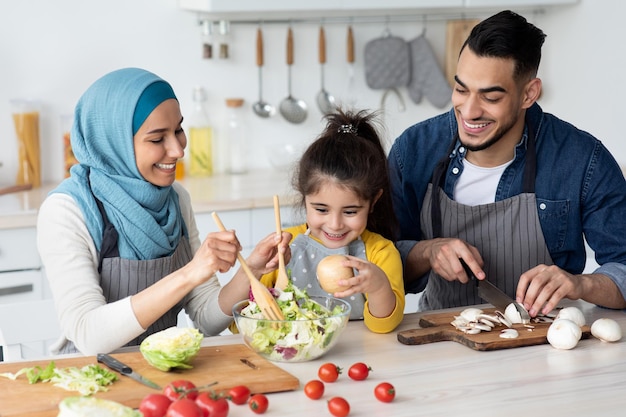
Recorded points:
(449, 379)
(217, 193)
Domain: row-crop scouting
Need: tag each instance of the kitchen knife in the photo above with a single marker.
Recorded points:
(124, 369)
(494, 296)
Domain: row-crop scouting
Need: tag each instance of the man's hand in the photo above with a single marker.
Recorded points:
(541, 288)
(443, 256)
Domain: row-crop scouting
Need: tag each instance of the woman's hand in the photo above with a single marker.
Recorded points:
(218, 253)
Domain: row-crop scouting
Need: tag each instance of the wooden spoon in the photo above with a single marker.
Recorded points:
(263, 298)
(283, 279)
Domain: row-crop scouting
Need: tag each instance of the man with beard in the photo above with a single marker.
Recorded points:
(510, 190)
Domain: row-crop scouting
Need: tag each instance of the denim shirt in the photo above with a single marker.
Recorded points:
(580, 189)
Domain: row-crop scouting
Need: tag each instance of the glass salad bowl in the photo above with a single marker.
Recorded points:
(311, 327)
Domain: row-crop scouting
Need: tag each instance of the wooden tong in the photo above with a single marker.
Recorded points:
(264, 299)
(282, 280)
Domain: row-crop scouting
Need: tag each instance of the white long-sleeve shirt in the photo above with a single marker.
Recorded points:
(70, 260)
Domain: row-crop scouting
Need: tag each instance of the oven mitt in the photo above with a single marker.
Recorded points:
(387, 63)
(427, 78)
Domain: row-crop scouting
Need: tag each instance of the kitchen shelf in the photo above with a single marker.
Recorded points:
(280, 11)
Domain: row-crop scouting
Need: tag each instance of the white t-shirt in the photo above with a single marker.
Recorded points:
(477, 185)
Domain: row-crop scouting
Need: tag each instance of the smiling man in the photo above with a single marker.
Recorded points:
(510, 189)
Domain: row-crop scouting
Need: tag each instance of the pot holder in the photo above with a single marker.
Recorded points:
(387, 63)
(427, 78)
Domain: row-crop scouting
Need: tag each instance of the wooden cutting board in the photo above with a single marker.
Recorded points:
(215, 363)
(436, 327)
(457, 32)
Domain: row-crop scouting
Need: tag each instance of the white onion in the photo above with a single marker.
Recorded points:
(564, 334)
(572, 313)
(606, 330)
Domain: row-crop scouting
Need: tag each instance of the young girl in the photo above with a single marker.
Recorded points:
(343, 180)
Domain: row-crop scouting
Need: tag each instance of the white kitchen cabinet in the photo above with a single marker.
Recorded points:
(286, 9)
(23, 287)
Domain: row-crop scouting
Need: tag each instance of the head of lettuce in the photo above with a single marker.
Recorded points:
(171, 348)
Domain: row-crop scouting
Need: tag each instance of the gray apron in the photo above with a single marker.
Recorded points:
(306, 253)
(120, 278)
(507, 234)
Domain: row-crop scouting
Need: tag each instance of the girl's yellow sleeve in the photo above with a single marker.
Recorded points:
(383, 253)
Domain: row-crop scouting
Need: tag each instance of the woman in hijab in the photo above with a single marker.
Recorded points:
(118, 238)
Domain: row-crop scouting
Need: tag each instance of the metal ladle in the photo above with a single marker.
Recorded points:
(261, 108)
(292, 109)
(325, 101)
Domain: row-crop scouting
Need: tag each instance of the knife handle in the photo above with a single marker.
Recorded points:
(113, 363)
(468, 271)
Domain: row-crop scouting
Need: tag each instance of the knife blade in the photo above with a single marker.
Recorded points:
(125, 370)
(494, 295)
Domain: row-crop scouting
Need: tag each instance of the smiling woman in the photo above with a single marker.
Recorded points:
(118, 238)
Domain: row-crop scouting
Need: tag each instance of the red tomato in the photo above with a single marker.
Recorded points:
(314, 389)
(329, 372)
(385, 392)
(239, 395)
(154, 405)
(359, 371)
(212, 405)
(338, 407)
(184, 407)
(181, 388)
(258, 403)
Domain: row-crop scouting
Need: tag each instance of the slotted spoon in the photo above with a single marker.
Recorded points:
(263, 298)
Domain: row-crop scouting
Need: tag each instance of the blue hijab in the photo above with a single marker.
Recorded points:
(146, 217)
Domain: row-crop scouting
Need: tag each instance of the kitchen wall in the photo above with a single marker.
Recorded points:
(53, 50)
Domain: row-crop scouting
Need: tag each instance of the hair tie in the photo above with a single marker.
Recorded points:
(347, 129)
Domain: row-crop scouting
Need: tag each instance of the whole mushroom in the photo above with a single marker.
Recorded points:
(564, 334)
(607, 330)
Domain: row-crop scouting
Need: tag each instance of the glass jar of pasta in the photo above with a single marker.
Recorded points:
(26, 123)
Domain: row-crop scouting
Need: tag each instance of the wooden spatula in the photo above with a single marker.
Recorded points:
(262, 296)
(282, 280)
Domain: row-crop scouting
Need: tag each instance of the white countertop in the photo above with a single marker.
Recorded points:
(449, 379)
(220, 192)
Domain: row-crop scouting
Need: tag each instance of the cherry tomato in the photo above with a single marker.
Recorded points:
(338, 407)
(180, 388)
(212, 405)
(385, 392)
(329, 372)
(183, 407)
(359, 371)
(239, 395)
(258, 403)
(314, 389)
(154, 405)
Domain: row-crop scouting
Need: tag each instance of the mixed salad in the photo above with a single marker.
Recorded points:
(307, 331)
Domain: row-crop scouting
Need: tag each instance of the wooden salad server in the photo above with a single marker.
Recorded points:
(262, 296)
(282, 280)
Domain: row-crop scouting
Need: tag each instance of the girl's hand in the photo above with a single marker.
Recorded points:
(264, 257)
(370, 278)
